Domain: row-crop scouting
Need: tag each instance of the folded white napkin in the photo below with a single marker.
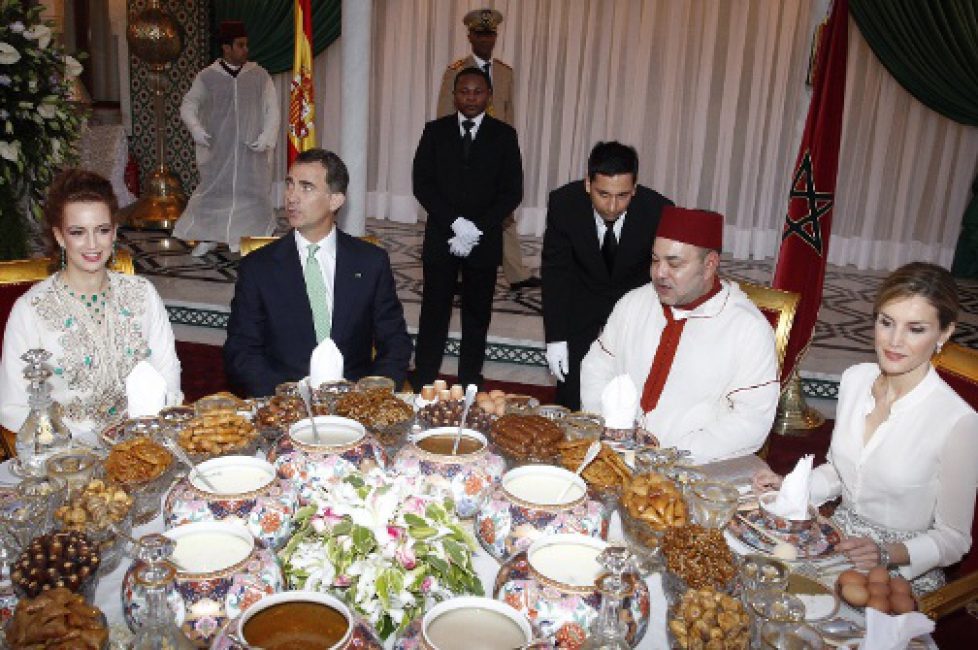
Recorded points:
(792, 500)
(619, 403)
(325, 363)
(145, 391)
(885, 632)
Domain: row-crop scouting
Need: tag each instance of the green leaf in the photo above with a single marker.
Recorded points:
(457, 553)
(436, 512)
(363, 539)
(422, 532)
(355, 480)
(342, 528)
(439, 565)
(414, 520)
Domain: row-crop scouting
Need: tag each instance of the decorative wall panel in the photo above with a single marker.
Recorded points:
(194, 17)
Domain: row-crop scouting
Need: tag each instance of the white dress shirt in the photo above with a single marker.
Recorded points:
(326, 256)
(475, 129)
(918, 472)
(481, 64)
(602, 226)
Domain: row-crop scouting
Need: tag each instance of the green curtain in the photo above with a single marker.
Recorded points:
(271, 34)
(931, 48)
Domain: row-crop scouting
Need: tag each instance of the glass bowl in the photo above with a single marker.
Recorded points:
(644, 540)
(376, 381)
(581, 425)
(713, 503)
(75, 467)
(39, 565)
(49, 492)
(95, 511)
(520, 404)
(141, 481)
(554, 412)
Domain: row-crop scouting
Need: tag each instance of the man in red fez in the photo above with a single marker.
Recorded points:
(232, 113)
(700, 353)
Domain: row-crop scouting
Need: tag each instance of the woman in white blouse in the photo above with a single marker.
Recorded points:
(96, 324)
(904, 452)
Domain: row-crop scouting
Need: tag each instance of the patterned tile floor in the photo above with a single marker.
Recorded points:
(843, 335)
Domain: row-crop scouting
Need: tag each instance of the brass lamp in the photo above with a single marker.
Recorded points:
(157, 38)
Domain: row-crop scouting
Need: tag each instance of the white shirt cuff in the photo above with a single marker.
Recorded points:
(924, 556)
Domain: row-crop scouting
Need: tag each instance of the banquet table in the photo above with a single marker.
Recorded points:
(736, 471)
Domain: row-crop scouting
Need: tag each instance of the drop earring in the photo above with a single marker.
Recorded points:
(64, 262)
(940, 346)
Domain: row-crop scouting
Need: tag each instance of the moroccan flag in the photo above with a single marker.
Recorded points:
(302, 111)
(808, 222)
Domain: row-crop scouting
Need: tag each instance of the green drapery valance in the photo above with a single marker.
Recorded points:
(271, 33)
(931, 48)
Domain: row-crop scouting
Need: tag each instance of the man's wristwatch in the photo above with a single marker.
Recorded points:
(884, 555)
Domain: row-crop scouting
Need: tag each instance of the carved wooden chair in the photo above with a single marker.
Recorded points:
(16, 277)
(958, 366)
(779, 308)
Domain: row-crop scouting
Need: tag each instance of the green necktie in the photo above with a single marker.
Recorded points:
(316, 289)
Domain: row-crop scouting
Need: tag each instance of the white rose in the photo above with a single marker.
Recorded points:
(10, 150)
(56, 150)
(8, 54)
(72, 67)
(41, 33)
(47, 111)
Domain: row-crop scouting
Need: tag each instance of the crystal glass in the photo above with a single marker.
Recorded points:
(684, 477)
(50, 493)
(43, 432)
(760, 573)
(158, 629)
(713, 503)
(19, 519)
(376, 381)
(329, 391)
(553, 412)
(790, 636)
(582, 425)
(75, 467)
(521, 404)
(607, 631)
(774, 606)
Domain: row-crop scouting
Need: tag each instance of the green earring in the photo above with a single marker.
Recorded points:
(64, 262)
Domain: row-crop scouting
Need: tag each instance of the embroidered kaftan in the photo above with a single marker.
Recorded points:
(90, 362)
(722, 391)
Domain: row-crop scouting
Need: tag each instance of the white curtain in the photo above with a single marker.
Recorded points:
(710, 92)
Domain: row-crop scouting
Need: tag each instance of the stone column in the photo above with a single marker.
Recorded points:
(355, 39)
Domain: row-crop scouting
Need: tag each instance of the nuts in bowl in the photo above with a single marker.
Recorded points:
(93, 511)
(217, 432)
(655, 500)
(705, 618)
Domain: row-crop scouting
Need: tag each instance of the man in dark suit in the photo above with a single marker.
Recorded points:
(597, 247)
(314, 282)
(468, 176)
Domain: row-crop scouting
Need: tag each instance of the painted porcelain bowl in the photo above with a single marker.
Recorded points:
(553, 583)
(452, 624)
(466, 476)
(221, 571)
(778, 523)
(328, 624)
(533, 501)
(247, 491)
(309, 463)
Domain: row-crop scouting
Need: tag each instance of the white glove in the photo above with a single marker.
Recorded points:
(558, 359)
(262, 144)
(200, 136)
(460, 247)
(465, 228)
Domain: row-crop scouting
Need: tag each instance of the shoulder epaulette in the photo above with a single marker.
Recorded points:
(457, 65)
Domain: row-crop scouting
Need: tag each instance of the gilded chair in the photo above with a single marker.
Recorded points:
(779, 308)
(251, 244)
(16, 277)
(958, 366)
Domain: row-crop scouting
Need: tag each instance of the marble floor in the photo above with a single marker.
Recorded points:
(198, 293)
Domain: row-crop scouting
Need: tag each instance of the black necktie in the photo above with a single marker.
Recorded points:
(467, 138)
(485, 66)
(609, 246)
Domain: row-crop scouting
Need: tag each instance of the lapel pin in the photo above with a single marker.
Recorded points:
(358, 275)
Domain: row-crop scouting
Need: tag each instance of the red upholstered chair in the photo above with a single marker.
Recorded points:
(16, 277)
(958, 366)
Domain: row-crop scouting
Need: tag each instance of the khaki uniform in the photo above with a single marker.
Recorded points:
(501, 107)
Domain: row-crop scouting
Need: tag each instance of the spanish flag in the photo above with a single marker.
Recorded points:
(302, 111)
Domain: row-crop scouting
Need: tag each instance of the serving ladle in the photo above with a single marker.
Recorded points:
(305, 393)
(470, 392)
(589, 456)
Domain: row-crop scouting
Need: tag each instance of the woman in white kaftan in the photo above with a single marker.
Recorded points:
(96, 324)
(904, 451)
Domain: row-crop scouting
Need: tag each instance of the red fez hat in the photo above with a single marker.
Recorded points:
(229, 30)
(697, 227)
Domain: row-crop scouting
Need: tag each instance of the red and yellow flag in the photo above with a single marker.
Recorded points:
(302, 110)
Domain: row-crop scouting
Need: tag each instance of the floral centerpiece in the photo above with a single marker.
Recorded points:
(38, 124)
(387, 550)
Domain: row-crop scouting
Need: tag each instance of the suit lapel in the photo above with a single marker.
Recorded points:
(289, 270)
(344, 286)
(589, 234)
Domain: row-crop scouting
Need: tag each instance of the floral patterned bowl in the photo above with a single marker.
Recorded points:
(467, 477)
(359, 634)
(530, 502)
(248, 492)
(553, 583)
(344, 447)
(467, 617)
(221, 571)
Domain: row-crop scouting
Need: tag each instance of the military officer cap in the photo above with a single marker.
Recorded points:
(482, 20)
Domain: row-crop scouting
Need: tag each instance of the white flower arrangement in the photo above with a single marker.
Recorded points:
(38, 125)
(387, 551)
